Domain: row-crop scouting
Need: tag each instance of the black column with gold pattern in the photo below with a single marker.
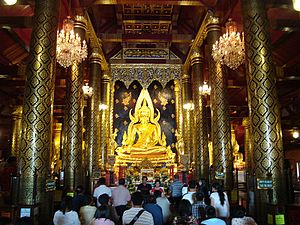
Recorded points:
(188, 158)
(73, 118)
(263, 101)
(249, 164)
(16, 131)
(220, 120)
(38, 105)
(200, 123)
(93, 120)
(104, 118)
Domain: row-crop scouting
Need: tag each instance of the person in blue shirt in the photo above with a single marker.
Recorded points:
(154, 209)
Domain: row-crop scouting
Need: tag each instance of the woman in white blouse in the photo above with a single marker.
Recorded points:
(219, 200)
(239, 217)
(65, 215)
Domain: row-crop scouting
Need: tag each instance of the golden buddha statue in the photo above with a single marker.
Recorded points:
(144, 138)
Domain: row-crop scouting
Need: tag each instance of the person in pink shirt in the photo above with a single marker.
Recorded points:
(121, 197)
(102, 216)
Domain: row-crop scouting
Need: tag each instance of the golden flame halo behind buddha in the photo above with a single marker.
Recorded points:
(144, 138)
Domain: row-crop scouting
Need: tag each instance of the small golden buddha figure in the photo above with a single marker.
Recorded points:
(144, 138)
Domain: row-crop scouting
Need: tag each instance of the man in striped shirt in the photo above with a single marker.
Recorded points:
(144, 219)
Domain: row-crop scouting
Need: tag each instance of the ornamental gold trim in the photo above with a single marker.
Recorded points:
(145, 74)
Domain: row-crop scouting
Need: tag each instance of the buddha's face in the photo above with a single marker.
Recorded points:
(144, 114)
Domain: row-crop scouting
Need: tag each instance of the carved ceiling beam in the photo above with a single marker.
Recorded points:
(288, 25)
(278, 4)
(16, 21)
(151, 2)
(95, 42)
(198, 41)
(174, 38)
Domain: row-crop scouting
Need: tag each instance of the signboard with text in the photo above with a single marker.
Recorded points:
(264, 183)
(50, 185)
(220, 175)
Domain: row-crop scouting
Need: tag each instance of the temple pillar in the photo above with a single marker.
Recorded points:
(104, 119)
(36, 138)
(93, 120)
(264, 106)
(16, 131)
(55, 155)
(220, 120)
(188, 157)
(179, 115)
(73, 118)
(200, 118)
(248, 149)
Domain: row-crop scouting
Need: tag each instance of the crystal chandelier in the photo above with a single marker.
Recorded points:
(204, 89)
(69, 49)
(229, 49)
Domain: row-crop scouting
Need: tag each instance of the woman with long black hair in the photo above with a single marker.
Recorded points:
(185, 214)
(102, 216)
(219, 200)
(65, 215)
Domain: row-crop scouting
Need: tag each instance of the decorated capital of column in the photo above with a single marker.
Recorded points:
(73, 119)
(36, 139)
(264, 106)
(93, 115)
(104, 119)
(200, 118)
(16, 131)
(220, 120)
(187, 159)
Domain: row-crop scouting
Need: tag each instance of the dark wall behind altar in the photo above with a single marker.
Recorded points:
(163, 99)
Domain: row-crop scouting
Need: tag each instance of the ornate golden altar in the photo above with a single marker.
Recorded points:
(144, 138)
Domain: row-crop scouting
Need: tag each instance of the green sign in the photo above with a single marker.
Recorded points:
(219, 175)
(71, 194)
(279, 219)
(50, 185)
(263, 183)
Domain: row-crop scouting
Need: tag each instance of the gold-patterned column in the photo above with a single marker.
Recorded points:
(104, 119)
(55, 155)
(220, 120)
(248, 146)
(178, 105)
(248, 149)
(16, 131)
(179, 116)
(188, 159)
(73, 118)
(263, 102)
(34, 164)
(93, 119)
(200, 118)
